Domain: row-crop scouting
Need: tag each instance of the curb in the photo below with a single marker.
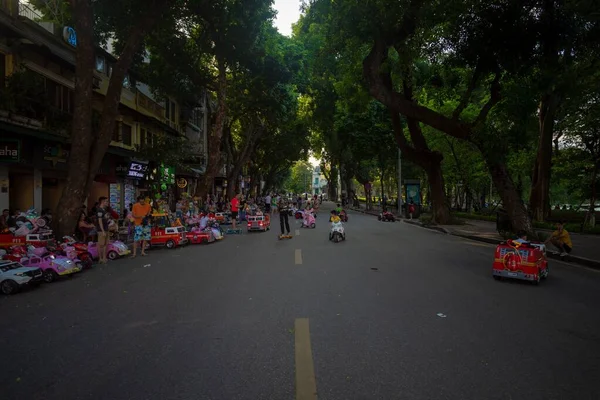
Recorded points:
(431, 228)
(373, 213)
(586, 262)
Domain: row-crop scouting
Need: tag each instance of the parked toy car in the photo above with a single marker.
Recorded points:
(115, 249)
(195, 236)
(259, 222)
(14, 276)
(53, 266)
(164, 234)
(42, 239)
(525, 261)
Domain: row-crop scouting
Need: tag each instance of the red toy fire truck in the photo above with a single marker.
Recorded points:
(44, 239)
(165, 234)
(525, 261)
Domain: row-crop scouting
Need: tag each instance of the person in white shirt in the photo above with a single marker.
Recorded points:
(268, 204)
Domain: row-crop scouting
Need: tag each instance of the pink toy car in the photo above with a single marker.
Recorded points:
(53, 266)
(115, 250)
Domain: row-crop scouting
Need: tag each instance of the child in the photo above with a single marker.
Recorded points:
(522, 237)
(561, 239)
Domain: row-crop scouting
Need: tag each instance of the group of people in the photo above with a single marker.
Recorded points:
(560, 238)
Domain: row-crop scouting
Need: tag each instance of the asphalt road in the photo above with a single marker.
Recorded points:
(256, 318)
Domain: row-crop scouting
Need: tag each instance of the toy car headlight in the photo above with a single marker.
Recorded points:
(20, 274)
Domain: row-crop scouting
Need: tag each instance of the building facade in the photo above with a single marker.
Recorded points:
(37, 69)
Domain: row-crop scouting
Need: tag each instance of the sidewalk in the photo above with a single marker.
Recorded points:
(586, 248)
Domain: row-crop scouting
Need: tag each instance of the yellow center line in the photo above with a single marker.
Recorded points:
(298, 257)
(306, 385)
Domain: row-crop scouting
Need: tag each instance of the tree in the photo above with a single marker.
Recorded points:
(88, 147)
(264, 101)
(568, 51)
(300, 180)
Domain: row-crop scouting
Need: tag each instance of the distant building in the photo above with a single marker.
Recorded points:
(319, 183)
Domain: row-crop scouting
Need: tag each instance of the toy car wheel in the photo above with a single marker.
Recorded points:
(112, 255)
(87, 261)
(379, 218)
(537, 279)
(170, 244)
(50, 276)
(9, 287)
(313, 225)
(496, 277)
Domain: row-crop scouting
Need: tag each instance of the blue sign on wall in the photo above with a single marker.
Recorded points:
(70, 36)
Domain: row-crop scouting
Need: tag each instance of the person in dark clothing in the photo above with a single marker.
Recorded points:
(284, 211)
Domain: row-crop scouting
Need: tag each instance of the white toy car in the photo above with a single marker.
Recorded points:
(13, 276)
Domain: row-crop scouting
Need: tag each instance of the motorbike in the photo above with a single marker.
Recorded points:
(69, 244)
(337, 233)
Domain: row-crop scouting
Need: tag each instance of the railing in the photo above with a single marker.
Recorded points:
(25, 10)
(150, 105)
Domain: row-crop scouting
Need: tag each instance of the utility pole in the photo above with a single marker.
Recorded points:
(399, 181)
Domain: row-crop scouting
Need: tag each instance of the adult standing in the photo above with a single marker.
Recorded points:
(235, 206)
(268, 204)
(141, 218)
(102, 219)
(284, 210)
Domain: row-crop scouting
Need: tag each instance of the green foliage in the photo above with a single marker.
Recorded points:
(300, 179)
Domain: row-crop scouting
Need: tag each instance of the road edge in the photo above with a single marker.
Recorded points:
(574, 260)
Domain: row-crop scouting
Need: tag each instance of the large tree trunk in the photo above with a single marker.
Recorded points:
(539, 200)
(430, 161)
(87, 147)
(511, 200)
(250, 144)
(82, 139)
(439, 203)
(216, 133)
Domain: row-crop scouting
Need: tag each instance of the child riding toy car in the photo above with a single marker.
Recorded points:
(386, 216)
(337, 232)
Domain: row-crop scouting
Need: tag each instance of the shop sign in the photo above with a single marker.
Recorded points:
(10, 150)
(182, 183)
(137, 170)
(122, 169)
(70, 36)
(167, 175)
(56, 154)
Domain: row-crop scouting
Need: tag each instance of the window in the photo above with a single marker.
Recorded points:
(127, 82)
(60, 97)
(170, 110)
(100, 64)
(116, 136)
(150, 137)
(126, 134)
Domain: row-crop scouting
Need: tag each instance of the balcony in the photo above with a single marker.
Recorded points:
(149, 107)
(27, 11)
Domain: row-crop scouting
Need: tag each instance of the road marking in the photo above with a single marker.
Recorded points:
(306, 385)
(297, 232)
(298, 257)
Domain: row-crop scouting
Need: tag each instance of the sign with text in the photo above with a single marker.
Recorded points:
(56, 154)
(10, 150)
(137, 170)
